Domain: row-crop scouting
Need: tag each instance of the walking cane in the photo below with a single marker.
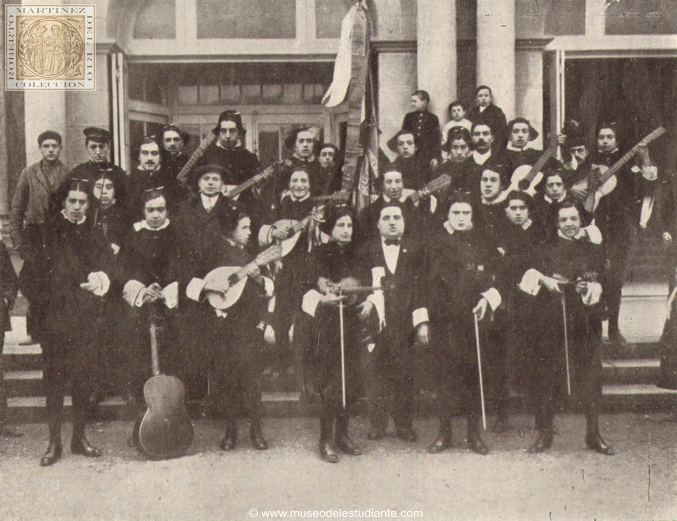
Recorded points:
(566, 343)
(479, 365)
(343, 350)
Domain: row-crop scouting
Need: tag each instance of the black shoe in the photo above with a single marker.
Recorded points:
(442, 443)
(376, 434)
(228, 441)
(542, 443)
(82, 446)
(52, 455)
(258, 441)
(500, 426)
(327, 453)
(476, 444)
(406, 434)
(346, 445)
(6, 432)
(597, 443)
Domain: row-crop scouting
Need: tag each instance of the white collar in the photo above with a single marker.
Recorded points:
(561, 235)
(299, 200)
(309, 160)
(480, 158)
(527, 224)
(84, 218)
(491, 203)
(482, 109)
(149, 171)
(510, 146)
(550, 200)
(218, 144)
(388, 199)
(143, 225)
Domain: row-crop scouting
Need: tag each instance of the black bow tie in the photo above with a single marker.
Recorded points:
(392, 242)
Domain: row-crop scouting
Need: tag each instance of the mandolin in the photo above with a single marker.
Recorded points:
(433, 186)
(165, 431)
(296, 228)
(235, 278)
(602, 180)
(526, 178)
(182, 176)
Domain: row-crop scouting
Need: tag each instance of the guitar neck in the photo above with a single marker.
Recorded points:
(613, 169)
(538, 165)
(433, 186)
(195, 157)
(249, 182)
(301, 225)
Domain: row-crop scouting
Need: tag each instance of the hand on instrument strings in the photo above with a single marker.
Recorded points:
(481, 308)
(643, 154)
(365, 309)
(578, 192)
(423, 333)
(552, 285)
(281, 233)
(581, 287)
(152, 293)
(217, 286)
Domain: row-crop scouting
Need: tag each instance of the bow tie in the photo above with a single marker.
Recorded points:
(392, 242)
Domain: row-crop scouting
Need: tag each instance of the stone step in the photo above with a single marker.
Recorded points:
(630, 372)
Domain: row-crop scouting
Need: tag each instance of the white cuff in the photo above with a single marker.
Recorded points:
(379, 302)
(171, 295)
(531, 282)
(132, 293)
(310, 301)
(102, 282)
(194, 289)
(493, 298)
(420, 316)
(268, 287)
(265, 234)
(593, 294)
(594, 235)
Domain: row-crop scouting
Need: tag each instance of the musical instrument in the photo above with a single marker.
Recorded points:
(182, 176)
(338, 197)
(433, 186)
(526, 178)
(264, 174)
(165, 431)
(602, 180)
(236, 278)
(296, 228)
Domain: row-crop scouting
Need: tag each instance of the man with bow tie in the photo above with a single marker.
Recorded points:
(394, 263)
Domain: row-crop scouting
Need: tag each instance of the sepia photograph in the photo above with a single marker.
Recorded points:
(338, 259)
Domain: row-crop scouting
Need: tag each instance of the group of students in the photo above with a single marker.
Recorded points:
(414, 279)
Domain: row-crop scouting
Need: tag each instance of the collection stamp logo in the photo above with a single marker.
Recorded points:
(50, 47)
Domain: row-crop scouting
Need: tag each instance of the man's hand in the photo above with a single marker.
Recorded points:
(281, 233)
(152, 293)
(581, 287)
(481, 308)
(552, 285)
(667, 237)
(579, 193)
(220, 287)
(365, 309)
(332, 299)
(423, 333)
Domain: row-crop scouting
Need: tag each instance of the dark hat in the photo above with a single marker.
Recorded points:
(185, 136)
(575, 141)
(533, 133)
(454, 133)
(329, 145)
(230, 115)
(99, 135)
(392, 142)
(574, 132)
(49, 134)
(197, 173)
(332, 214)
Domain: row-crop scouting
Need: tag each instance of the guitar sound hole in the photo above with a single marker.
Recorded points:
(232, 280)
(523, 184)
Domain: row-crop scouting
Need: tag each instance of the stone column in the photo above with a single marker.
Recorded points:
(496, 51)
(529, 89)
(436, 53)
(45, 110)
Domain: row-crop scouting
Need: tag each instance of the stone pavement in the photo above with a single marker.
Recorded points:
(569, 482)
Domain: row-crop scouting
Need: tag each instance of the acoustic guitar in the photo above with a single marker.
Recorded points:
(182, 176)
(261, 176)
(433, 186)
(526, 178)
(235, 278)
(602, 180)
(165, 431)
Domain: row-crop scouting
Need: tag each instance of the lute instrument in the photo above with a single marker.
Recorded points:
(602, 180)
(433, 186)
(296, 228)
(234, 278)
(165, 431)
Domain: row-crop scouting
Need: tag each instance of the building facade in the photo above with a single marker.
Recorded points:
(184, 61)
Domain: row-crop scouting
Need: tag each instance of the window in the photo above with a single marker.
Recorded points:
(156, 19)
(246, 19)
(641, 17)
